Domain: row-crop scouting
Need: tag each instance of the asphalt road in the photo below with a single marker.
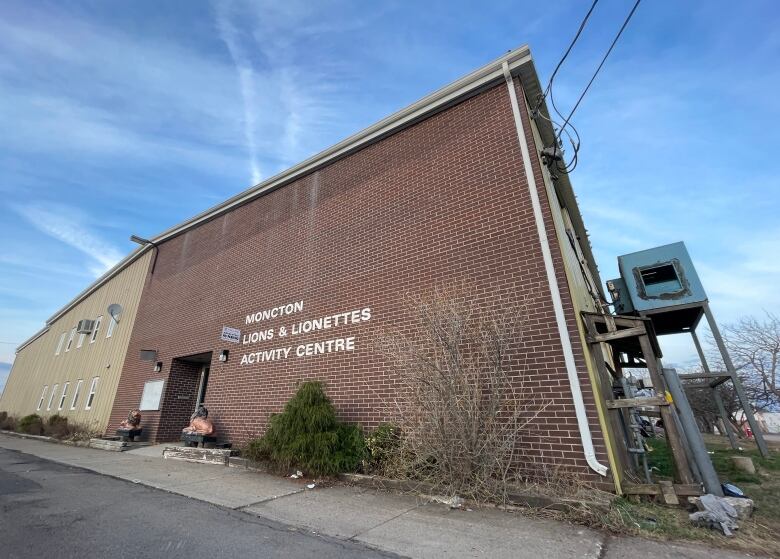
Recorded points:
(53, 510)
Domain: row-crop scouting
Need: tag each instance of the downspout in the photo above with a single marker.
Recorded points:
(560, 319)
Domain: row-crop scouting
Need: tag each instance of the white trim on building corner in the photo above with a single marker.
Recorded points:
(549, 267)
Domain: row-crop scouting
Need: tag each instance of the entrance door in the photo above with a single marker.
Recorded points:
(204, 381)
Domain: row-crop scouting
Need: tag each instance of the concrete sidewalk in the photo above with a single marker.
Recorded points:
(395, 523)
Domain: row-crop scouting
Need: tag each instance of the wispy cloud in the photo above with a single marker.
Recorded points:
(230, 36)
(66, 225)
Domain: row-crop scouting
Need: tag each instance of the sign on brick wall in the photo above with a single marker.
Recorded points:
(231, 334)
(292, 329)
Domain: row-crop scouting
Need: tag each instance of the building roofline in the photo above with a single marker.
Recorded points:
(32, 338)
(520, 64)
(439, 100)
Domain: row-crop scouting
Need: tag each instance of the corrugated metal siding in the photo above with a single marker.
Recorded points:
(36, 365)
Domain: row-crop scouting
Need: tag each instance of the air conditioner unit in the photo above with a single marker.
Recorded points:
(85, 326)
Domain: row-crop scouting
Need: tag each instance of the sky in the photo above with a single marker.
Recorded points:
(128, 118)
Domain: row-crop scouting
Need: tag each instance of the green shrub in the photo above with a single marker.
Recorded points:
(57, 426)
(307, 435)
(381, 446)
(31, 424)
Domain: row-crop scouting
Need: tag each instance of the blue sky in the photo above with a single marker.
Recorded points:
(120, 118)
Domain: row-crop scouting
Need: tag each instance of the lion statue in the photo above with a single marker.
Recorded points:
(132, 422)
(200, 424)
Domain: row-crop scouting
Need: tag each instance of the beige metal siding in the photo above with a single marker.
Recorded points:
(36, 365)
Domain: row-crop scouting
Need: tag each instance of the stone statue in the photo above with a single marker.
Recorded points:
(200, 424)
(132, 422)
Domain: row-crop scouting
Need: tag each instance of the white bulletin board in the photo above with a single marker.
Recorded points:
(150, 399)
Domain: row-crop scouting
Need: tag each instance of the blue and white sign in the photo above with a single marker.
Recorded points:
(231, 334)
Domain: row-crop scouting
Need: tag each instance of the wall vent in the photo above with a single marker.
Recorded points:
(85, 326)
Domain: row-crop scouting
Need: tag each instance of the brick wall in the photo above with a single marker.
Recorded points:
(444, 201)
(178, 402)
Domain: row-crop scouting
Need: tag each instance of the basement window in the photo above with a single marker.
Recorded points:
(91, 395)
(51, 396)
(76, 394)
(43, 397)
(64, 394)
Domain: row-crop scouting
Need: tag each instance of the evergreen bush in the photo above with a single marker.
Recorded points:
(307, 435)
(31, 424)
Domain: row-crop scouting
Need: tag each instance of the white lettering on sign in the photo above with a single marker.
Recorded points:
(255, 337)
(301, 327)
(276, 312)
(230, 334)
(325, 322)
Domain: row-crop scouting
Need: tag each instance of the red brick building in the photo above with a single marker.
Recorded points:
(309, 266)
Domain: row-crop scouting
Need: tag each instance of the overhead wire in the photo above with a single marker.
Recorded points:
(543, 95)
(598, 69)
(560, 164)
(548, 92)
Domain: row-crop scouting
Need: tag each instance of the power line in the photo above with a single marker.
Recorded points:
(565, 55)
(549, 92)
(10, 343)
(603, 60)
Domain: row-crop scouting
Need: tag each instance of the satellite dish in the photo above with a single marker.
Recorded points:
(115, 311)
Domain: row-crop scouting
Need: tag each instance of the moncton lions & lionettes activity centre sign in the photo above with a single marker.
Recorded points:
(294, 329)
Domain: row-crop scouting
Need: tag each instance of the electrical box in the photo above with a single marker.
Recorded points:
(661, 278)
(661, 284)
(620, 296)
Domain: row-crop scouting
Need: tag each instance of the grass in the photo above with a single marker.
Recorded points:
(758, 534)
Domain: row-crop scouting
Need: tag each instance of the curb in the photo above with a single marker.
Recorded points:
(42, 438)
(516, 499)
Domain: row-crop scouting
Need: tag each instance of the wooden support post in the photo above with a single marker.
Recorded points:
(668, 494)
(637, 402)
(667, 414)
(699, 350)
(724, 418)
(747, 407)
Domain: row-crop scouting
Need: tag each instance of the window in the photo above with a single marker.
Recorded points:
(51, 396)
(95, 329)
(81, 340)
(76, 394)
(70, 340)
(660, 280)
(660, 274)
(43, 396)
(91, 395)
(59, 344)
(64, 393)
(111, 325)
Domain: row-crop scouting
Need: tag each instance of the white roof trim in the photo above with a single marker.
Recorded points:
(436, 101)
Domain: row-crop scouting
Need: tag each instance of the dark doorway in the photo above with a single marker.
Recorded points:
(184, 390)
(204, 382)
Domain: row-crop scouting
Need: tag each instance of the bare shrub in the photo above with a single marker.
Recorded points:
(460, 408)
(7, 422)
(81, 432)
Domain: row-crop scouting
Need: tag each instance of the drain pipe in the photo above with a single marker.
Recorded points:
(568, 354)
